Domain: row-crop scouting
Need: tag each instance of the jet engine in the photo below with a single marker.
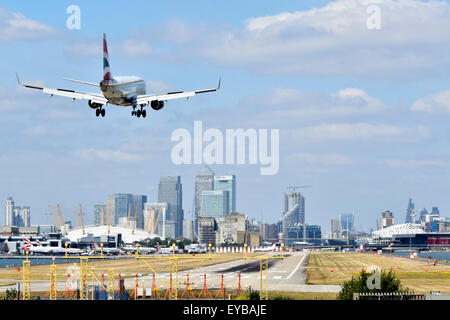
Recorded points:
(157, 105)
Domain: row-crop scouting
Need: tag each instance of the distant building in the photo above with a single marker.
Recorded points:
(214, 203)
(17, 216)
(204, 181)
(227, 183)
(269, 232)
(170, 192)
(231, 229)
(120, 204)
(99, 210)
(335, 229)
(292, 200)
(188, 229)
(387, 219)
(347, 224)
(155, 219)
(409, 211)
(207, 230)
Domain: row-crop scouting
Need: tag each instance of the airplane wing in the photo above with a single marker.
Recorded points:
(145, 99)
(94, 97)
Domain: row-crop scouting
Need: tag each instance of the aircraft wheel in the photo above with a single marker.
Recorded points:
(144, 113)
(139, 113)
(103, 112)
(97, 112)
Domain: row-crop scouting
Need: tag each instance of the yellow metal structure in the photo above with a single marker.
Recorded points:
(53, 218)
(264, 272)
(81, 218)
(53, 282)
(76, 216)
(26, 278)
(84, 278)
(173, 268)
(111, 288)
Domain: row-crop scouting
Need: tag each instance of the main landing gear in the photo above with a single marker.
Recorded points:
(140, 112)
(100, 111)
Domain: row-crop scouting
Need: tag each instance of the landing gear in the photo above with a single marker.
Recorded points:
(140, 112)
(100, 111)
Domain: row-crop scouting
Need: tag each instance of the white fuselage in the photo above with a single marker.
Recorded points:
(123, 95)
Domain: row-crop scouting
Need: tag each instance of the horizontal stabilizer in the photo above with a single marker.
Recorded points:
(83, 82)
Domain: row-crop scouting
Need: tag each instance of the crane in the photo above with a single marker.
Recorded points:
(298, 187)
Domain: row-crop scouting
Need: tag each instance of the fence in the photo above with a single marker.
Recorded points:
(389, 296)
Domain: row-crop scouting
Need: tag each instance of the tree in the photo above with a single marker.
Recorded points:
(10, 294)
(388, 282)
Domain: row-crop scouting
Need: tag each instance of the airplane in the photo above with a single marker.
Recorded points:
(267, 249)
(133, 249)
(106, 250)
(122, 91)
(40, 248)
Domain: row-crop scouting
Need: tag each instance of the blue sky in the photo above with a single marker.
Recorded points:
(363, 114)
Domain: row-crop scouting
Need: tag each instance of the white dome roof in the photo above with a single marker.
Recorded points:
(396, 229)
(127, 233)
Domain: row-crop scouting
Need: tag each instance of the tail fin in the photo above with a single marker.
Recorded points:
(106, 71)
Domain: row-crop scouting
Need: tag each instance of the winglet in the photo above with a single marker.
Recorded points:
(218, 86)
(17, 77)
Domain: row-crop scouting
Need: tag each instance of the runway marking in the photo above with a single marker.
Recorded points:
(296, 268)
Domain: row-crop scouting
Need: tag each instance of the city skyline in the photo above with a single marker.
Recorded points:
(361, 120)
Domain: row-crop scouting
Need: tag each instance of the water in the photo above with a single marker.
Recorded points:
(434, 255)
(7, 262)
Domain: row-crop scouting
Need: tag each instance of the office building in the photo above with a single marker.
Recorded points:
(231, 229)
(17, 216)
(347, 224)
(207, 230)
(188, 230)
(227, 183)
(204, 181)
(335, 229)
(120, 206)
(100, 214)
(293, 200)
(409, 212)
(214, 203)
(170, 192)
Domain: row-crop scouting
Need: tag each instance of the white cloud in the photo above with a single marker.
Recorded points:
(323, 159)
(94, 155)
(412, 163)
(14, 26)
(359, 132)
(434, 103)
(331, 40)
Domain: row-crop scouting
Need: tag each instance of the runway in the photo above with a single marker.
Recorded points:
(286, 274)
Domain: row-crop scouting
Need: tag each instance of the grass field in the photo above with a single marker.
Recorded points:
(336, 267)
(127, 267)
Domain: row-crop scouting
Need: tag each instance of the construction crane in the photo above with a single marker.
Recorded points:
(298, 187)
(53, 218)
(82, 220)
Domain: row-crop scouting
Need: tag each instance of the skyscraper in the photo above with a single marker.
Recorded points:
(204, 181)
(227, 183)
(293, 199)
(409, 212)
(214, 204)
(170, 192)
(119, 204)
(347, 223)
(98, 207)
(9, 221)
(387, 219)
